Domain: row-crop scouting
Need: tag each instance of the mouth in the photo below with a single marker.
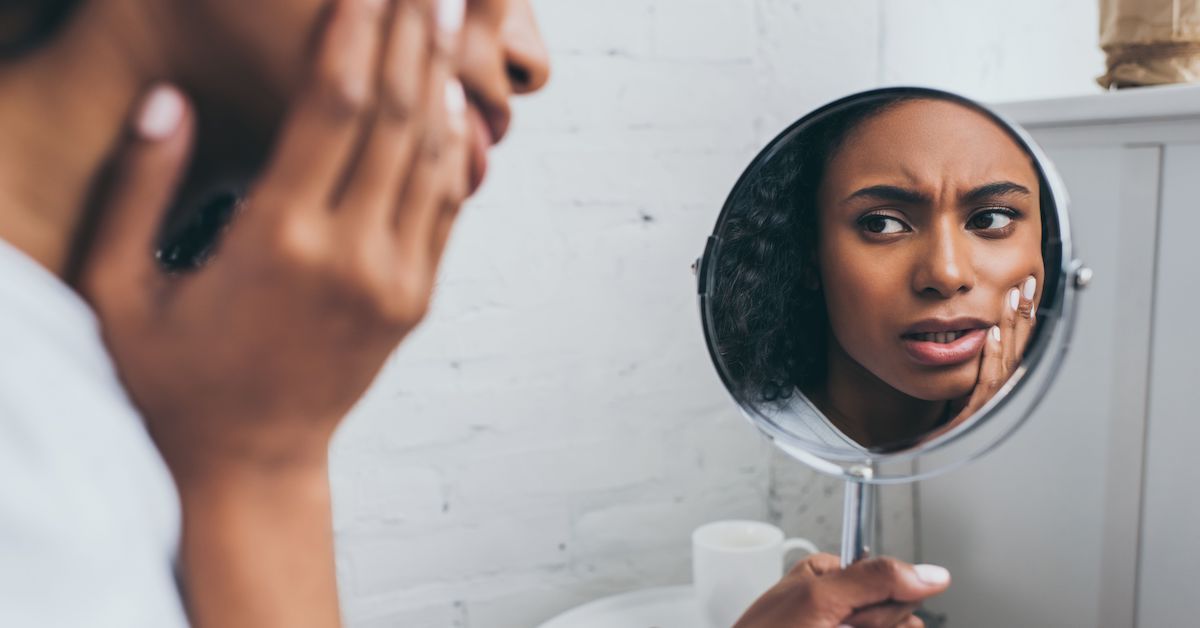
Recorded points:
(945, 342)
(941, 337)
(489, 124)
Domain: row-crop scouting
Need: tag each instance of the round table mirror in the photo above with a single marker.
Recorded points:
(890, 288)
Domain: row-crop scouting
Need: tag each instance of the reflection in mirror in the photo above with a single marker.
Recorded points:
(878, 272)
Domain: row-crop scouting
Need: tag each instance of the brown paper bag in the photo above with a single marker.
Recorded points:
(1150, 42)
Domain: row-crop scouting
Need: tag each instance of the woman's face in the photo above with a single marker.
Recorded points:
(929, 215)
(225, 46)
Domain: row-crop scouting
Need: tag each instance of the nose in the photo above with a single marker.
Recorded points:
(945, 267)
(526, 60)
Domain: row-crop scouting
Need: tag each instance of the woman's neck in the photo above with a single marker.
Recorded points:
(869, 410)
(64, 109)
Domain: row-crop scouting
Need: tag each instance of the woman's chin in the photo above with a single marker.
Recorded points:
(943, 386)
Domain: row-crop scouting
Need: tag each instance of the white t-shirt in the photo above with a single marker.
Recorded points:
(803, 419)
(89, 516)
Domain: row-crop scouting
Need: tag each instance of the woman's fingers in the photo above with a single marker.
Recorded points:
(816, 565)
(888, 615)
(443, 145)
(454, 176)
(319, 136)
(1026, 319)
(1018, 321)
(399, 119)
(1005, 345)
(1008, 324)
(142, 185)
(882, 580)
(992, 373)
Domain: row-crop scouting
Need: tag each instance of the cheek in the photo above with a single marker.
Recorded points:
(857, 294)
(266, 43)
(297, 28)
(1001, 269)
(853, 277)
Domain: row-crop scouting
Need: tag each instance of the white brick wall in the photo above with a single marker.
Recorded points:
(555, 430)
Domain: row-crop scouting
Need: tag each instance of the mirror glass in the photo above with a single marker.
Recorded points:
(884, 275)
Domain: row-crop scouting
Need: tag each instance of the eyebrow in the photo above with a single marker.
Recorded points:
(898, 194)
(891, 193)
(997, 189)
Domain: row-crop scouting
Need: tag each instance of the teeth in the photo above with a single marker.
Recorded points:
(941, 337)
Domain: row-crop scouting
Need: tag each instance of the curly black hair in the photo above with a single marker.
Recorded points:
(768, 317)
(27, 24)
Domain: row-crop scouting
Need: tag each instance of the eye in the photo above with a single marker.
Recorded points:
(992, 219)
(882, 224)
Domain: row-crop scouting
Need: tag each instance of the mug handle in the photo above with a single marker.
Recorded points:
(791, 545)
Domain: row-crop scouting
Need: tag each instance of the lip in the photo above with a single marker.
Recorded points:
(494, 113)
(937, 325)
(962, 349)
(480, 141)
(490, 122)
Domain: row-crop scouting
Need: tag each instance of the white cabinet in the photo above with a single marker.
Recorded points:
(1089, 516)
(1169, 588)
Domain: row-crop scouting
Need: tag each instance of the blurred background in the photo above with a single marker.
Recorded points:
(555, 430)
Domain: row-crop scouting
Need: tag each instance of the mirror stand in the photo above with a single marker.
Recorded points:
(859, 517)
(768, 331)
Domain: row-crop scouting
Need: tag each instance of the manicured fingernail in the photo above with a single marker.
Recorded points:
(1030, 287)
(1014, 298)
(932, 574)
(996, 333)
(1033, 311)
(456, 98)
(161, 113)
(456, 103)
(450, 15)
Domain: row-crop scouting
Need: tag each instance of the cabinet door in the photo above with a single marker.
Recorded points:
(1168, 590)
(1031, 532)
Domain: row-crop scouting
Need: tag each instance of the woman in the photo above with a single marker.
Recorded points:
(351, 130)
(878, 276)
(149, 417)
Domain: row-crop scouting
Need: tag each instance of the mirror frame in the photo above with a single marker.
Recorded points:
(1006, 411)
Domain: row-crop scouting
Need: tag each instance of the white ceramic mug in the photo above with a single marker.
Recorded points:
(733, 563)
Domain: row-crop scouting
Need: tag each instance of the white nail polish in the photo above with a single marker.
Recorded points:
(456, 98)
(456, 104)
(932, 574)
(451, 14)
(1014, 298)
(161, 113)
(1030, 287)
(996, 333)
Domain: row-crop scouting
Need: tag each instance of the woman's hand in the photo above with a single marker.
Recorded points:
(243, 368)
(874, 593)
(1005, 346)
(255, 357)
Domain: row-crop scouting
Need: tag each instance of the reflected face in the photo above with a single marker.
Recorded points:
(225, 45)
(929, 215)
